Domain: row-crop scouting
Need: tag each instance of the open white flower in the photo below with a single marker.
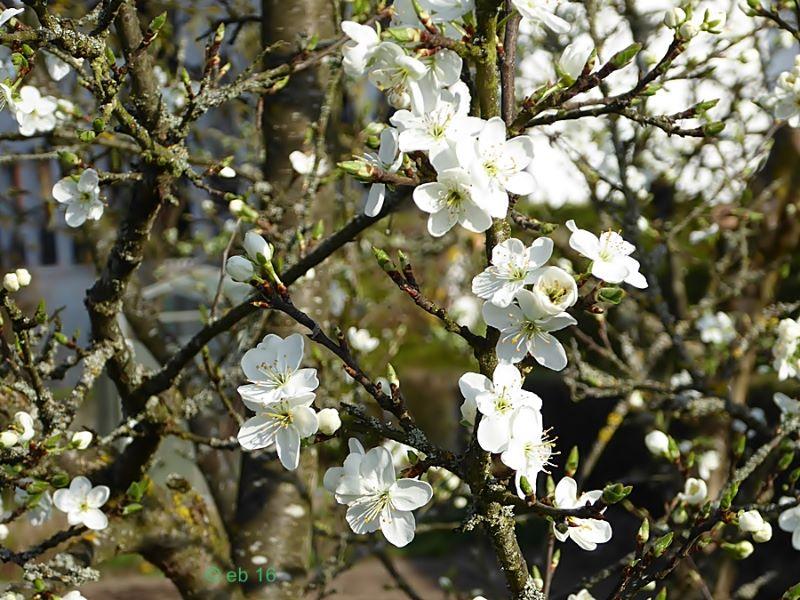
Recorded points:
(526, 329)
(694, 491)
(542, 12)
(395, 73)
(389, 159)
(553, 289)
(362, 340)
(454, 198)
(789, 521)
(499, 164)
(281, 424)
(497, 400)
(82, 197)
(786, 351)
(716, 328)
(377, 500)
(587, 533)
(436, 118)
(25, 428)
(444, 69)
(610, 255)
(82, 503)
(273, 370)
(512, 267)
(34, 113)
(529, 450)
(364, 40)
(787, 95)
(351, 466)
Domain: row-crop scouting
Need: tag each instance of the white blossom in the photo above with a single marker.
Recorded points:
(81, 440)
(239, 268)
(364, 40)
(82, 503)
(511, 268)
(396, 73)
(227, 172)
(674, 17)
(40, 511)
(786, 351)
(789, 521)
(257, 248)
(586, 533)
(542, 12)
(273, 370)
(329, 421)
(8, 14)
(529, 450)
(436, 118)
(303, 163)
(657, 442)
(526, 329)
(82, 197)
(787, 95)
(376, 499)
(497, 400)
(694, 491)
(751, 521)
(34, 113)
(454, 198)
(574, 58)
(716, 328)
(74, 595)
(57, 68)
(788, 406)
(389, 159)
(444, 69)
(352, 463)
(554, 290)
(11, 282)
(582, 595)
(361, 340)
(499, 165)
(708, 462)
(23, 277)
(281, 424)
(610, 255)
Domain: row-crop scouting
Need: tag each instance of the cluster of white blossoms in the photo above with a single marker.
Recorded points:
(786, 351)
(787, 95)
(280, 393)
(14, 281)
(716, 328)
(375, 498)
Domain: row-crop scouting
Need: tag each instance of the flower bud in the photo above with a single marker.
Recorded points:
(674, 17)
(8, 439)
(227, 172)
(23, 277)
(257, 248)
(329, 421)
(739, 550)
(240, 269)
(688, 30)
(11, 282)
(236, 206)
(764, 534)
(81, 440)
(657, 442)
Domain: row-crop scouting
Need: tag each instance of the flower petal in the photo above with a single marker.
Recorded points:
(410, 494)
